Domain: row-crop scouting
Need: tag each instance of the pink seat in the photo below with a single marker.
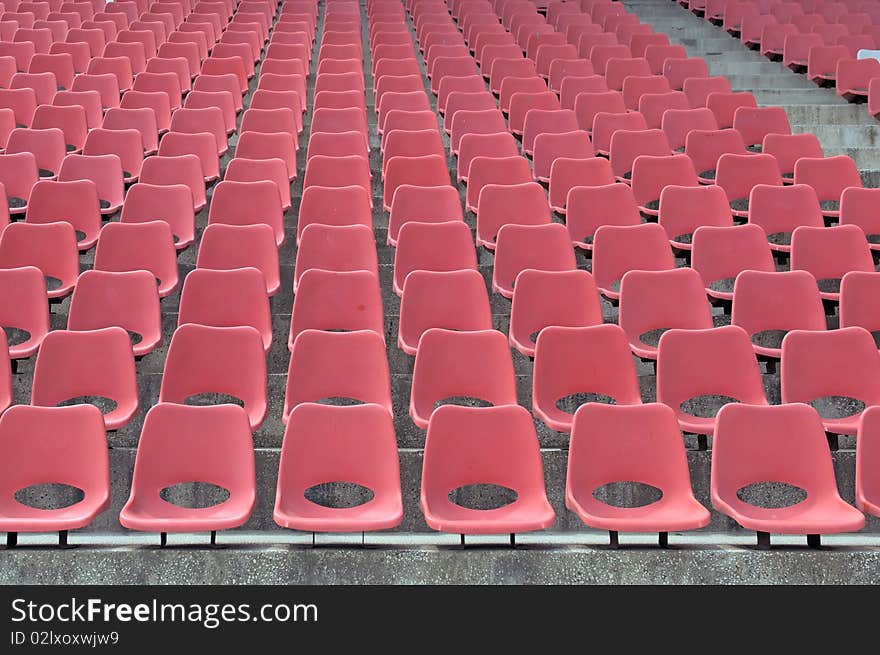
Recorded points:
(423, 204)
(706, 147)
(460, 101)
(245, 203)
(60, 65)
(22, 102)
(24, 306)
(89, 101)
(574, 365)
(573, 86)
(544, 247)
(335, 365)
(182, 169)
(74, 202)
(483, 371)
(829, 177)
(794, 452)
(226, 65)
(348, 205)
(590, 207)
(654, 301)
(719, 254)
(859, 207)
(337, 301)
(490, 121)
(866, 478)
(47, 146)
(412, 144)
(773, 38)
(337, 172)
(830, 253)
(21, 51)
(545, 122)
(119, 67)
(53, 444)
(407, 101)
(444, 246)
(653, 107)
(139, 246)
(562, 68)
(461, 449)
(788, 148)
(201, 144)
(425, 171)
(125, 144)
(822, 62)
(104, 170)
(195, 121)
(627, 146)
(336, 144)
(725, 105)
(499, 205)
(328, 444)
(631, 442)
(170, 436)
(567, 173)
(678, 69)
(118, 299)
(769, 305)
(514, 67)
(225, 247)
(449, 85)
(678, 123)
(335, 248)
(492, 170)
(684, 209)
(620, 249)
(81, 366)
(194, 367)
(779, 210)
(550, 146)
(287, 120)
(652, 174)
(551, 298)
(606, 124)
(223, 100)
(140, 118)
(223, 83)
(755, 123)
(497, 145)
(522, 103)
(698, 89)
(739, 174)
(50, 247)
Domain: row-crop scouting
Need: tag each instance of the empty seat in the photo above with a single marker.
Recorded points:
(327, 444)
(483, 371)
(60, 65)
(225, 83)
(499, 205)
(779, 210)
(142, 119)
(336, 301)
(22, 102)
(829, 177)
(830, 253)
(725, 106)
(719, 254)
(859, 207)
(118, 299)
(769, 305)
(335, 365)
(74, 202)
(574, 365)
(201, 144)
(348, 205)
(678, 123)
(423, 204)
(245, 203)
(788, 148)
(444, 246)
(794, 452)
(590, 207)
(66, 445)
(89, 101)
(619, 249)
(85, 367)
(104, 170)
(225, 247)
(588, 104)
(653, 106)
(627, 146)
(822, 62)
(698, 370)
(679, 69)
(195, 121)
(492, 170)
(652, 174)
(47, 145)
(567, 174)
(606, 125)
(497, 145)
(652, 302)
(543, 247)
(684, 209)
(549, 146)
(705, 148)
(182, 169)
(698, 89)
(739, 174)
(139, 246)
(425, 171)
(624, 443)
(226, 361)
(335, 248)
(24, 311)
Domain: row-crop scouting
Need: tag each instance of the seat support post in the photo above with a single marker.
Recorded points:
(832, 441)
(513, 540)
(763, 540)
(163, 539)
(11, 539)
(62, 538)
(702, 442)
(213, 538)
(814, 540)
(663, 539)
(612, 539)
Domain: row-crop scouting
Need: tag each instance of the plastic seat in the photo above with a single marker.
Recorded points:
(275, 145)
(725, 105)
(89, 101)
(698, 89)
(562, 68)
(624, 443)
(540, 122)
(492, 170)
(240, 169)
(118, 299)
(125, 144)
(678, 123)
(796, 50)
(201, 144)
(67, 368)
(830, 253)
(684, 209)
(655, 301)
(340, 120)
(829, 177)
(314, 442)
(769, 305)
(483, 370)
(653, 106)
(195, 121)
(22, 102)
(49, 247)
(119, 67)
(859, 206)
(336, 301)
(142, 119)
(224, 82)
(788, 148)
(245, 203)
(719, 254)
(590, 207)
(499, 205)
(717, 362)
(104, 170)
(411, 144)
(567, 173)
(224, 100)
(139, 246)
(618, 249)
(227, 298)
(47, 146)
(550, 146)
(626, 146)
(739, 174)
(775, 431)
(71, 120)
(337, 172)
(449, 85)
(522, 103)
(573, 362)
(755, 123)
(53, 444)
(503, 68)
(349, 205)
(335, 248)
(679, 69)
(458, 451)
(226, 247)
(822, 62)
(423, 204)
(60, 65)
(444, 246)
(74, 202)
(425, 171)
(280, 119)
(333, 365)
(460, 101)
(652, 174)
(544, 247)
(605, 124)
(497, 145)
(194, 367)
(159, 104)
(21, 51)
(226, 65)
(182, 169)
(24, 307)
(779, 210)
